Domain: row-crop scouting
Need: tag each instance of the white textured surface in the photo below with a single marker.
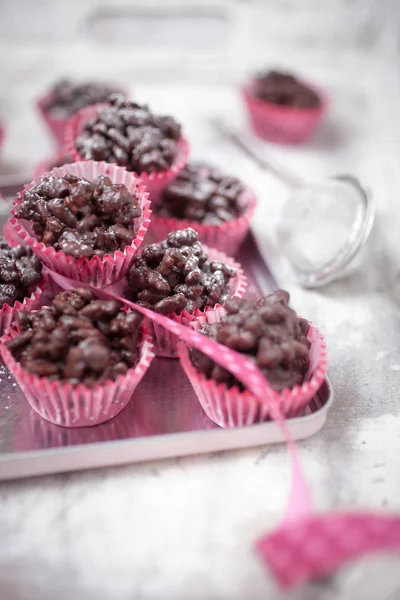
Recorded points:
(183, 529)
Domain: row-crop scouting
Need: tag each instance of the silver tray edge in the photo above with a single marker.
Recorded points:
(158, 447)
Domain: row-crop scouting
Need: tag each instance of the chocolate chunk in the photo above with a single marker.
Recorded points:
(81, 217)
(277, 344)
(285, 90)
(79, 338)
(175, 275)
(129, 135)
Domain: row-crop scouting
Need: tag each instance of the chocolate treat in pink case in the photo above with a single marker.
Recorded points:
(130, 135)
(67, 97)
(282, 108)
(285, 90)
(183, 280)
(289, 352)
(78, 339)
(267, 331)
(218, 206)
(79, 217)
(202, 194)
(79, 360)
(175, 275)
(85, 220)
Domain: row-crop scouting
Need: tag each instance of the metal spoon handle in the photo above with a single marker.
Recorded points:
(283, 174)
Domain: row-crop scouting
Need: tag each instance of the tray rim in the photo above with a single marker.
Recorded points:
(80, 457)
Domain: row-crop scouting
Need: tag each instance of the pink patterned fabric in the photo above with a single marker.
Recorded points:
(320, 544)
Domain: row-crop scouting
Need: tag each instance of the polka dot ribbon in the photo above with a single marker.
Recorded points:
(305, 545)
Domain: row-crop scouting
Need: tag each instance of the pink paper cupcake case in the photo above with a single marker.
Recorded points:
(155, 183)
(284, 125)
(8, 313)
(77, 406)
(98, 271)
(122, 426)
(230, 407)
(227, 237)
(56, 126)
(165, 342)
(12, 237)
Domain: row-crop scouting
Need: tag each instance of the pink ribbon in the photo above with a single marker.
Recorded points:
(305, 545)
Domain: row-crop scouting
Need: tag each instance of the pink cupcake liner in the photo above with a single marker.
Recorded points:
(48, 435)
(46, 166)
(56, 126)
(230, 407)
(9, 313)
(284, 125)
(11, 235)
(165, 342)
(155, 182)
(98, 271)
(77, 406)
(227, 237)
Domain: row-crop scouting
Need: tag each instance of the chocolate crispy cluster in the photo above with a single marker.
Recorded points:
(284, 89)
(20, 271)
(68, 97)
(78, 339)
(268, 332)
(175, 275)
(203, 195)
(80, 217)
(128, 134)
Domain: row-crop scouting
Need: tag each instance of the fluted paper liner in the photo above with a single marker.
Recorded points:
(231, 407)
(56, 125)
(8, 313)
(282, 124)
(98, 271)
(226, 237)
(77, 406)
(155, 182)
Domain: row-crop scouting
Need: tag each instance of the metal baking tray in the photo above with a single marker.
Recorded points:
(163, 419)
